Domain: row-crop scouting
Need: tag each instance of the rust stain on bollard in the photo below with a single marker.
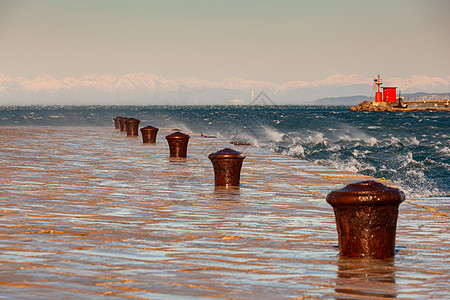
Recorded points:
(132, 126)
(366, 219)
(227, 165)
(178, 143)
(122, 123)
(149, 134)
(117, 121)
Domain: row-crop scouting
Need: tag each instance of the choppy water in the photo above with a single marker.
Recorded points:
(411, 149)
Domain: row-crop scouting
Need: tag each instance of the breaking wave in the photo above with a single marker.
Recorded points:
(411, 149)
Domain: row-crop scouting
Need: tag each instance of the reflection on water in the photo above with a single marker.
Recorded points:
(231, 193)
(88, 212)
(177, 159)
(365, 277)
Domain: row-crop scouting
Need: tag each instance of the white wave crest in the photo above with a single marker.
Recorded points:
(444, 150)
(316, 138)
(357, 136)
(273, 134)
(417, 185)
(413, 141)
(297, 151)
(349, 164)
(358, 153)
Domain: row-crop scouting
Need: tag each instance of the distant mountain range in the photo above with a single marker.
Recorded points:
(150, 89)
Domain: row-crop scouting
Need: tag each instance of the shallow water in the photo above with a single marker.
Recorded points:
(89, 213)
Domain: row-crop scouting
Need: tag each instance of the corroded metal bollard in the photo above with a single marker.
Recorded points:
(178, 143)
(117, 121)
(149, 134)
(132, 126)
(227, 165)
(366, 219)
(122, 123)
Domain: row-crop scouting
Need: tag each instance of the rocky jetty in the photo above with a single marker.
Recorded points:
(371, 106)
(402, 106)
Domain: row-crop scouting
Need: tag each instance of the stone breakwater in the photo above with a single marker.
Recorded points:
(87, 212)
(403, 106)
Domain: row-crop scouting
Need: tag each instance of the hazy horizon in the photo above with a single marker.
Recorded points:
(49, 46)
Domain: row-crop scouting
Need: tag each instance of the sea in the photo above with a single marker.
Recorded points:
(412, 149)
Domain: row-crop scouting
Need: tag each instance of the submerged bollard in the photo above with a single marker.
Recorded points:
(132, 126)
(117, 121)
(122, 123)
(178, 143)
(366, 219)
(149, 134)
(227, 165)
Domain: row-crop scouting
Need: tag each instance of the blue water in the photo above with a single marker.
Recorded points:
(411, 149)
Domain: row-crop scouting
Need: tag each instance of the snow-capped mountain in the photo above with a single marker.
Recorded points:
(142, 88)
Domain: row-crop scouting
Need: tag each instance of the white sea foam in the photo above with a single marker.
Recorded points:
(417, 185)
(413, 141)
(409, 161)
(443, 149)
(348, 134)
(394, 141)
(316, 138)
(273, 134)
(349, 164)
(358, 153)
(238, 135)
(297, 151)
(372, 141)
(345, 138)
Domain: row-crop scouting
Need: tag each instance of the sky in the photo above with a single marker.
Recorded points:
(276, 41)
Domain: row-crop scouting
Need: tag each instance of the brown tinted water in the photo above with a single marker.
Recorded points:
(87, 213)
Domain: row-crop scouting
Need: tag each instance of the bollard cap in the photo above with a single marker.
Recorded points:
(177, 135)
(132, 120)
(149, 128)
(367, 192)
(118, 118)
(226, 153)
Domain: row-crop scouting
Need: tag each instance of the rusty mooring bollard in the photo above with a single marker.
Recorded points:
(132, 126)
(366, 219)
(122, 123)
(227, 165)
(117, 121)
(149, 134)
(178, 143)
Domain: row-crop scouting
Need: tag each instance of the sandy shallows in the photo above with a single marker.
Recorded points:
(88, 213)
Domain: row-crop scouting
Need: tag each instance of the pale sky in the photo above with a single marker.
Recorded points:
(275, 41)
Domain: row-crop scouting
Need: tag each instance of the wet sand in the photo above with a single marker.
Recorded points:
(88, 213)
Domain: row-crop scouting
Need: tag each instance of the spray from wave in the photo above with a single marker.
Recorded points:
(412, 150)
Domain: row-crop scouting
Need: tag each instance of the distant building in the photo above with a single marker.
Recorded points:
(236, 102)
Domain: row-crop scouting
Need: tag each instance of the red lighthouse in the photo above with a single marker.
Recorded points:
(389, 93)
(378, 81)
